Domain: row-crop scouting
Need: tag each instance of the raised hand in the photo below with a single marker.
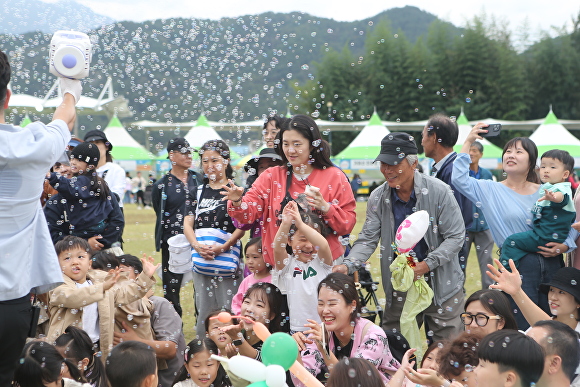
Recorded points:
(508, 282)
(149, 265)
(232, 192)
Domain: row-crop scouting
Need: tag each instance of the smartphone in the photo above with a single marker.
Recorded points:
(492, 130)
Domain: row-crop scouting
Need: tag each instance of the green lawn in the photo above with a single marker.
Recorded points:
(139, 239)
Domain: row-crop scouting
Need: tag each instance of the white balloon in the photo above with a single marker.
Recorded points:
(411, 231)
(248, 369)
(275, 376)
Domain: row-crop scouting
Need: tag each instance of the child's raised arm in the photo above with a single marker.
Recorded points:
(315, 237)
(281, 238)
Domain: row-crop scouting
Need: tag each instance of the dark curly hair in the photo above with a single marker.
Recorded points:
(462, 352)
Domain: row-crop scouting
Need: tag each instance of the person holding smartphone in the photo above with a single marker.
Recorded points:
(507, 208)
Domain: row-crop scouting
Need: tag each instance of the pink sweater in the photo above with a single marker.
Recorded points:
(244, 286)
(373, 347)
(268, 191)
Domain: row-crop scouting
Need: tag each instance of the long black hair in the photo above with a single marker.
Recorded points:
(223, 149)
(319, 148)
(277, 304)
(77, 346)
(196, 346)
(40, 364)
(532, 150)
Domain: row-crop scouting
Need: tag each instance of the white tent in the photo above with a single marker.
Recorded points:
(201, 133)
(363, 150)
(125, 147)
(553, 135)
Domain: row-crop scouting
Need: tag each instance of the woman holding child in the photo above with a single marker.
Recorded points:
(308, 170)
(508, 205)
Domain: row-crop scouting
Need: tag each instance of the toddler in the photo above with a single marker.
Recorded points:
(259, 269)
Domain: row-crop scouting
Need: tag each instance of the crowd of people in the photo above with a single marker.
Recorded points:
(75, 309)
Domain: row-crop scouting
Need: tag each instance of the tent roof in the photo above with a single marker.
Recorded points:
(552, 133)
(125, 147)
(201, 132)
(367, 144)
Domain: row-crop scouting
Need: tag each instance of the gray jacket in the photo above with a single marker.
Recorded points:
(445, 236)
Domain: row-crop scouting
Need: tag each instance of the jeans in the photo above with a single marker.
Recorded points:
(535, 270)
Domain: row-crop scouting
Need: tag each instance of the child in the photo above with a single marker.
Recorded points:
(76, 346)
(200, 370)
(88, 197)
(260, 271)
(42, 365)
(132, 364)
(553, 213)
(137, 314)
(219, 337)
(509, 358)
(303, 263)
(87, 299)
(263, 302)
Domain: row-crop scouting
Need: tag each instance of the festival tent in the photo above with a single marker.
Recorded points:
(203, 132)
(553, 135)
(126, 150)
(364, 149)
(491, 153)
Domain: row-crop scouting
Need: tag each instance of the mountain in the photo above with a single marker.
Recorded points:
(234, 69)
(21, 16)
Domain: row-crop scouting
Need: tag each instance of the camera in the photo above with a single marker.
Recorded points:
(70, 54)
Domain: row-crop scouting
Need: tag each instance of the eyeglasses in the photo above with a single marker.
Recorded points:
(480, 318)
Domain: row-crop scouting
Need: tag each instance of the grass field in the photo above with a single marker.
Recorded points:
(139, 240)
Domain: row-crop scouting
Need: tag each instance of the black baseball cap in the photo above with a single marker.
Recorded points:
(87, 152)
(395, 147)
(98, 135)
(178, 144)
(566, 279)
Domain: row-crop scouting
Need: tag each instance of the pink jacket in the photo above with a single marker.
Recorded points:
(373, 347)
(268, 191)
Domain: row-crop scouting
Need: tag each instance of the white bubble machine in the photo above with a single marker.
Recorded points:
(70, 54)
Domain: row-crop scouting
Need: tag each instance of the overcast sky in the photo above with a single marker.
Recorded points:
(541, 14)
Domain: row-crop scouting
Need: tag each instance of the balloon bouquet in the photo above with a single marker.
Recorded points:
(279, 354)
(419, 294)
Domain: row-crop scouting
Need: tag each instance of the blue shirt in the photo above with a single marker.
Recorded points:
(506, 211)
(479, 224)
(401, 210)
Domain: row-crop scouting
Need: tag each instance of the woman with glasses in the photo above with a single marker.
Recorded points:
(488, 311)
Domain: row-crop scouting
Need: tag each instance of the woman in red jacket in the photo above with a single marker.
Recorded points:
(308, 177)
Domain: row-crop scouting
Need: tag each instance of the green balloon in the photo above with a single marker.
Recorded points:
(261, 383)
(281, 349)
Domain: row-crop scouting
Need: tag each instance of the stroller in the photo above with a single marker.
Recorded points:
(366, 287)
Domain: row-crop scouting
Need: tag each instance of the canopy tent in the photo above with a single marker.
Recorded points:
(491, 153)
(363, 150)
(553, 135)
(203, 132)
(125, 147)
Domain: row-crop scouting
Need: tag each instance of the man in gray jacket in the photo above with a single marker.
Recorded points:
(406, 191)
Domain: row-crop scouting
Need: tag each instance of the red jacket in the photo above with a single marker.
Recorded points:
(269, 190)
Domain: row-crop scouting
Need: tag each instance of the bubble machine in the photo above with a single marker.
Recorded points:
(70, 54)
